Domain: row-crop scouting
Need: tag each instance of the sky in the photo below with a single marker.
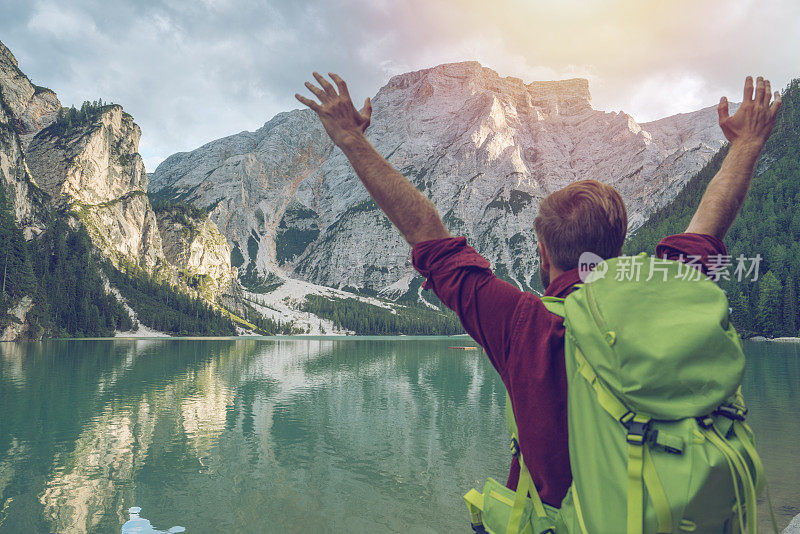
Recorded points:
(193, 71)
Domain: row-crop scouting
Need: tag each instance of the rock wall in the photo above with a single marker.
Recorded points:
(484, 148)
(88, 169)
(94, 170)
(24, 110)
(194, 245)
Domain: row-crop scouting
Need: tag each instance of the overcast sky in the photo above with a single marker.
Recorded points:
(194, 71)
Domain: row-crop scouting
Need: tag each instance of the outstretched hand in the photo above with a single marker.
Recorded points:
(753, 121)
(748, 131)
(336, 110)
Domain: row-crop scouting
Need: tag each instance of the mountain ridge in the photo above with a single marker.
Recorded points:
(73, 185)
(483, 147)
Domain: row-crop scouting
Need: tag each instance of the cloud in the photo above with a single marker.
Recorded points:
(666, 94)
(190, 72)
(60, 21)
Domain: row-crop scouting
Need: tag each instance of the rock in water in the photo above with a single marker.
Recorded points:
(794, 526)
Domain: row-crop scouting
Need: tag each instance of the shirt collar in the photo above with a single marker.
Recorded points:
(562, 285)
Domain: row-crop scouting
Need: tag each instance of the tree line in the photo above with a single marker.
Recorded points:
(59, 272)
(67, 281)
(70, 119)
(367, 319)
(768, 226)
(160, 306)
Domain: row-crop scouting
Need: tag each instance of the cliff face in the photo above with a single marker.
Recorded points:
(194, 245)
(90, 168)
(85, 165)
(485, 149)
(24, 110)
(93, 169)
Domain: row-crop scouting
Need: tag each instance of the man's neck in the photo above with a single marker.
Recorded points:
(555, 272)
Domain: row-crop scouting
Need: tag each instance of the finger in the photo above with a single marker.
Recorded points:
(366, 111)
(748, 89)
(776, 104)
(340, 84)
(767, 93)
(759, 90)
(326, 85)
(307, 101)
(317, 91)
(722, 109)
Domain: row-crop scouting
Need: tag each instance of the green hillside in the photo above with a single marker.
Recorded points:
(768, 225)
(65, 278)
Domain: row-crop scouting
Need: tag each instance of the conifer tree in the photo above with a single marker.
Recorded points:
(769, 305)
(790, 309)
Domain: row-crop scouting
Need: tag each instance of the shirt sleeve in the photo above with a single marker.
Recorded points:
(464, 282)
(705, 251)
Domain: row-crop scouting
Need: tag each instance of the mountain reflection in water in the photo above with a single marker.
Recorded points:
(284, 435)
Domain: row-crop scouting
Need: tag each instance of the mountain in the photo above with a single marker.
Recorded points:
(484, 148)
(86, 252)
(74, 214)
(768, 226)
(272, 231)
(90, 167)
(24, 109)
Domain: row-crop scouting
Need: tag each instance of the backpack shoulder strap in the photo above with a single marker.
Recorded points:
(554, 305)
(525, 484)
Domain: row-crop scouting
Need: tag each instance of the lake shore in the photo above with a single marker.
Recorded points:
(786, 339)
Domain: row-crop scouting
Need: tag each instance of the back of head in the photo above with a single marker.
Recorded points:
(585, 216)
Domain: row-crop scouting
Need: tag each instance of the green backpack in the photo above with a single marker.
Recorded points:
(657, 437)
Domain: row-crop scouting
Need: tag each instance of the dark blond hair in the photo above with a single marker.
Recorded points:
(585, 216)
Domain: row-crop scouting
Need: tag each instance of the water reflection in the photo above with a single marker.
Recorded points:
(291, 435)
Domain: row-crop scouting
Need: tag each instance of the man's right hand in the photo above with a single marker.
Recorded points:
(747, 131)
(408, 209)
(753, 121)
(336, 110)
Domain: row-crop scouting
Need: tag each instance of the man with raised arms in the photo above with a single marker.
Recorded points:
(524, 341)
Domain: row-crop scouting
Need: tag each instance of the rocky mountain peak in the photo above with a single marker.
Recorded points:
(6, 55)
(24, 109)
(32, 107)
(91, 160)
(458, 82)
(561, 90)
(484, 148)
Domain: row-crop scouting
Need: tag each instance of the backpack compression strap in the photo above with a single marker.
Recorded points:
(641, 470)
(525, 484)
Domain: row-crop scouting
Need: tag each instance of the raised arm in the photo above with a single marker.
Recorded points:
(747, 132)
(408, 209)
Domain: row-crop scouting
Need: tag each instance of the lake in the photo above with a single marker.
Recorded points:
(286, 434)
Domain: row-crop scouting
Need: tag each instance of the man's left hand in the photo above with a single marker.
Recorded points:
(336, 110)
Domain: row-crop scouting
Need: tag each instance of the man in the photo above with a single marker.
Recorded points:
(523, 340)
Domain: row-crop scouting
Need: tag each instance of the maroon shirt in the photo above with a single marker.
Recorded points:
(525, 342)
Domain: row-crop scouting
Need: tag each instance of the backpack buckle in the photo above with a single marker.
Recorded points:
(637, 432)
(515, 447)
(705, 422)
(638, 428)
(734, 413)
(669, 444)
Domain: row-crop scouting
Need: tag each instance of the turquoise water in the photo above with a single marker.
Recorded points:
(285, 435)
